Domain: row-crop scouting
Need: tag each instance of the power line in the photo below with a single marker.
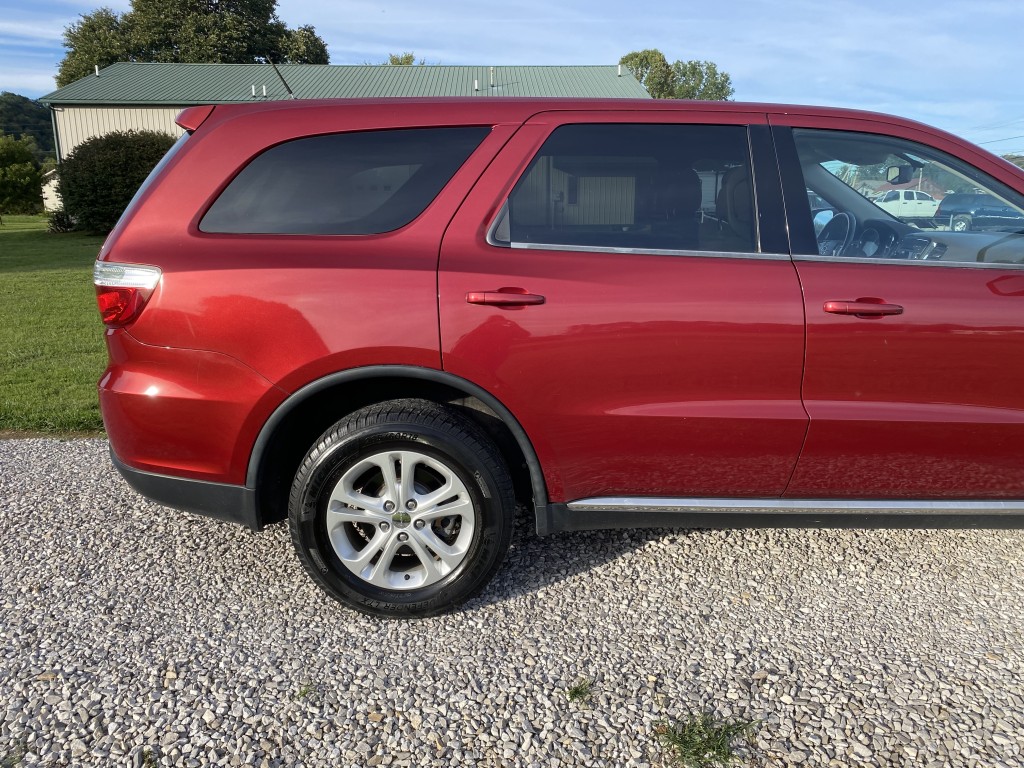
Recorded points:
(996, 141)
(995, 125)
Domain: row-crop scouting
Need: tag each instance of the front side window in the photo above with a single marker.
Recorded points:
(342, 184)
(889, 198)
(635, 187)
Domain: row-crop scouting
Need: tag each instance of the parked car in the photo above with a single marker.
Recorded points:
(965, 212)
(910, 205)
(391, 322)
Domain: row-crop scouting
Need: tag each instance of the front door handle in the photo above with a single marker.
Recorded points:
(863, 308)
(504, 297)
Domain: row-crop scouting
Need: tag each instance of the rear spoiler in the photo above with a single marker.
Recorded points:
(193, 117)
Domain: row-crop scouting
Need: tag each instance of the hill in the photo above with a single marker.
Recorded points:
(23, 116)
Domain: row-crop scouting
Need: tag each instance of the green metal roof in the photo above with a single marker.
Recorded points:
(136, 83)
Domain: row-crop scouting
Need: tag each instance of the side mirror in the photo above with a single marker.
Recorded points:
(899, 174)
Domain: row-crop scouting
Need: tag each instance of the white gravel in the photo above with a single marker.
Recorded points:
(126, 627)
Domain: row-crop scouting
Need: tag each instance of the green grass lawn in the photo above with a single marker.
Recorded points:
(51, 337)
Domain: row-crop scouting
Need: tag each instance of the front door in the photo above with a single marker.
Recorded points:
(915, 337)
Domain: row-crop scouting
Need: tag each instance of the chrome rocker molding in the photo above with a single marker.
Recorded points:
(601, 513)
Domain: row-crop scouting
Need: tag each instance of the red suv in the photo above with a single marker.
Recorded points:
(392, 321)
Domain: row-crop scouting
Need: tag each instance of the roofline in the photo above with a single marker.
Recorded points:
(547, 102)
(566, 102)
(54, 98)
(540, 104)
(535, 104)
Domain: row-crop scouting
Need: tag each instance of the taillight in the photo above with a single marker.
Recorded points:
(122, 290)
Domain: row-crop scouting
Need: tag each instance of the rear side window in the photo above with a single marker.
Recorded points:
(342, 184)
(635, 187)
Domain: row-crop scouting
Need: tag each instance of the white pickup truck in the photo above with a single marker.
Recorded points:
(909, 205)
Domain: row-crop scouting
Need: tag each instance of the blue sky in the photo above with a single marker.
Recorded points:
(955, 65)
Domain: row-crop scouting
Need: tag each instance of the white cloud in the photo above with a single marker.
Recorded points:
(43, 31)
(27, 82)
(953, 69)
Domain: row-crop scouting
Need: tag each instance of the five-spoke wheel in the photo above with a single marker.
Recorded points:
(402, 509)
(400, 519)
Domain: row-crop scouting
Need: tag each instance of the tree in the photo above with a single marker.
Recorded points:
(651, 68)
(701, 80)
(406, 59)
(1017, 160)
(21, 188)
(680, 80)
(190, 31)
(99, 38)
(100, 176)
(303, 45)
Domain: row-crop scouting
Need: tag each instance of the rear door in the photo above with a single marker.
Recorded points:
(915, 375)
(611, 281)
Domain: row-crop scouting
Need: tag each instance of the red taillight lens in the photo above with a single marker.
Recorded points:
(122, 290)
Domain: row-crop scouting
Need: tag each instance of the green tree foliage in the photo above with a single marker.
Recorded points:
(1017, 160)
(679, 80)
(304, 46)
(99, 38)
(652, 69)
(701, 80)
(100, 176)
(403, 59)
(25, 117)
(21, 181)
(189, 31)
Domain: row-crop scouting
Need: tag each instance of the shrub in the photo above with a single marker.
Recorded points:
(59, 221)
(100, 176)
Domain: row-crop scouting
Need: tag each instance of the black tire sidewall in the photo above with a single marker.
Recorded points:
(343, 446)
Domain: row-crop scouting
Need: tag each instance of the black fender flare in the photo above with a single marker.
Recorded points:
(537, 484)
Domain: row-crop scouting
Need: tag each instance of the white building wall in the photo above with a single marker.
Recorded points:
(76, 124)
(51, 200)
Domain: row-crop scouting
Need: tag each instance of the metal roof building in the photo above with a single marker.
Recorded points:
(148, 96)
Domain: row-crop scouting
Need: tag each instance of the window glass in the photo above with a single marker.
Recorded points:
(342, 184)
(646, 187)
(895, 199)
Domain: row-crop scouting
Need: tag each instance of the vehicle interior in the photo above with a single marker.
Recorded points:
(845, 171)
(672, 188)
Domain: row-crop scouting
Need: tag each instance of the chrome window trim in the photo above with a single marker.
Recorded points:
(503, 213)
(648, 251)
(502, 216)
(796, 506)
(906, 262)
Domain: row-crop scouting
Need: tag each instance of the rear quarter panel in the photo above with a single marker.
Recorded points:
(289, 309)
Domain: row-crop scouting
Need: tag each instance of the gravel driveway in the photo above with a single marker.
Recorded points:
(128, 629)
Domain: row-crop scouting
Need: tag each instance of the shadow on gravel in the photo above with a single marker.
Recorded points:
(537, 562)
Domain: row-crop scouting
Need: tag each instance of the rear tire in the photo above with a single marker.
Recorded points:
(961, 224)
(402, 509)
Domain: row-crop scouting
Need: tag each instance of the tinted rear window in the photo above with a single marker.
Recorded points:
(636, 187)
(342, 184)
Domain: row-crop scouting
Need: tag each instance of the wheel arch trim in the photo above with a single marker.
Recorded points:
(537, 484)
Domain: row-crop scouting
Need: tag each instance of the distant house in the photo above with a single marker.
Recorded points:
(148, 96)
(51, 199)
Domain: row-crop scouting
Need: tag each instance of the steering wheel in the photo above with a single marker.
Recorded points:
(836, 236)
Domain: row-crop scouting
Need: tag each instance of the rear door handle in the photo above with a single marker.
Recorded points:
(863, 308)
(504, 297)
